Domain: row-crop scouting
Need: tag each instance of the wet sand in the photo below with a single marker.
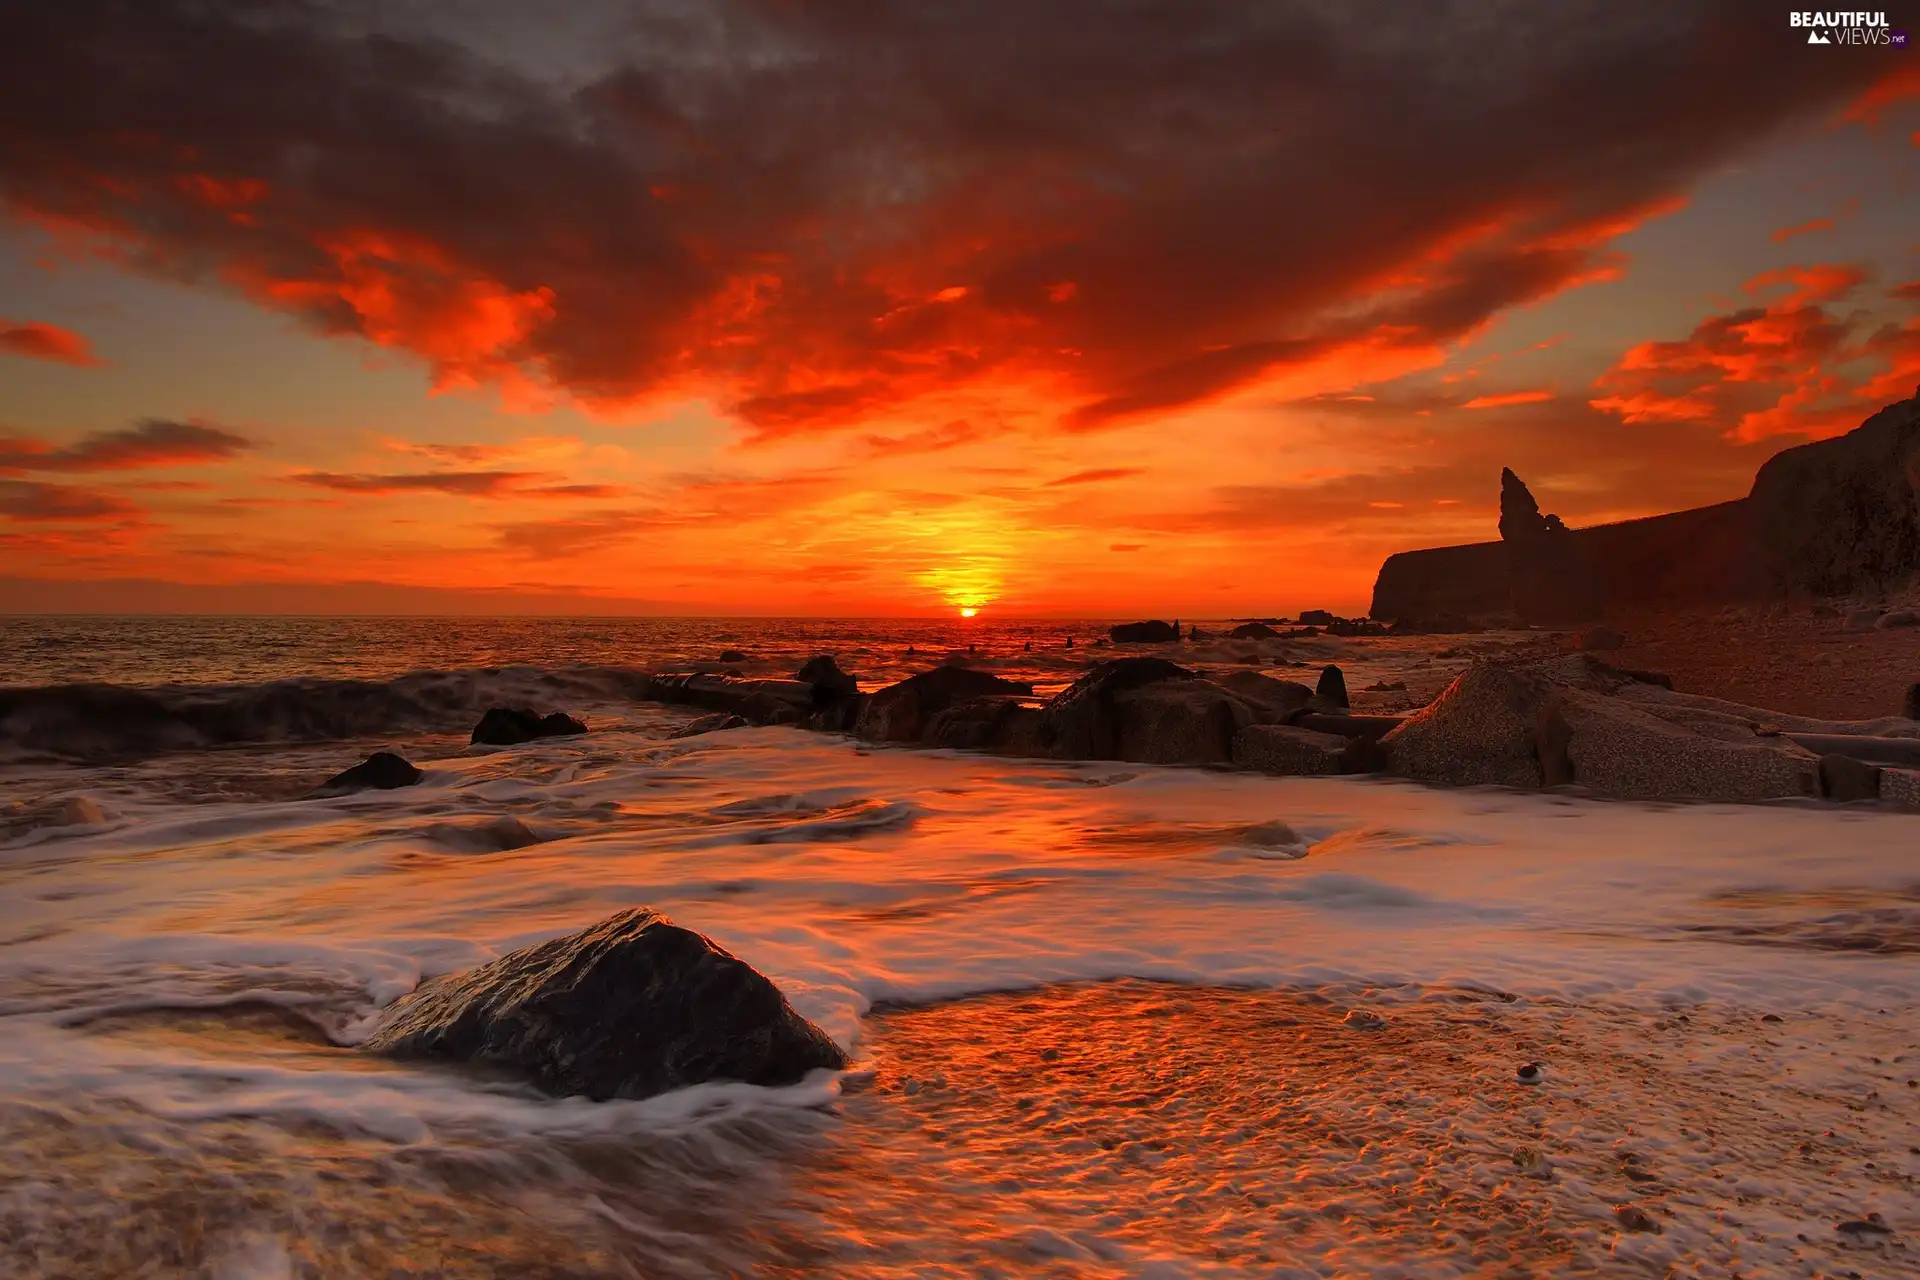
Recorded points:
(1787, 661)
(1110, 1129)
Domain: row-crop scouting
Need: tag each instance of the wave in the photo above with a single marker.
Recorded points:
(104, 723)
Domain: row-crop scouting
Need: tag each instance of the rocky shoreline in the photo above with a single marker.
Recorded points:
(1568, 720)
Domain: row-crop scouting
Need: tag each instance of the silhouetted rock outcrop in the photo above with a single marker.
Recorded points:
(1316, 618)
(381, 771)
(632, 1007)
(1332, 687)
(1842, 515)
(1155, 632)
(1253, 631)
(510, 726)
(1550, 578)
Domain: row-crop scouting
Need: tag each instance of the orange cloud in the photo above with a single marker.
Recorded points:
(1508, 400)
(1785, 234)
(1095, 476)
(1790, 367)
(465, 484)
(46, 342)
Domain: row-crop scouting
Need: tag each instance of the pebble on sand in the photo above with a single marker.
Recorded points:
(1634, 1218)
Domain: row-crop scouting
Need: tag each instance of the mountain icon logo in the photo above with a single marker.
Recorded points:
(1814, 37)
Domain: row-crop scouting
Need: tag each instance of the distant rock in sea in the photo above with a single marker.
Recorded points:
(1332, 687)
(381, 771)
(732, 655)
(632, 1007)
(1155, 632)
(1253, 631)
(510, 726)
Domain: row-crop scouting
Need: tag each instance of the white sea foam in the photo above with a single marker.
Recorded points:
(855, 876)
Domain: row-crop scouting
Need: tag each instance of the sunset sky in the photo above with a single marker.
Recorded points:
(877, 307)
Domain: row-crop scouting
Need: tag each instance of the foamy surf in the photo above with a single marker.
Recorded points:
(183, 984)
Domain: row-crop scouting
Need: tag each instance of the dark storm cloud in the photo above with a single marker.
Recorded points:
(821, 211)
(154, 442)
(30, 501)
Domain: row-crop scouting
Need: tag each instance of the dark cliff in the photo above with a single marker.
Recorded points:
(1828, 518)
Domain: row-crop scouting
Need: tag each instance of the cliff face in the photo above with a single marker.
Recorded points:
(1828, 518)
(1704, 555)
(1843, 515)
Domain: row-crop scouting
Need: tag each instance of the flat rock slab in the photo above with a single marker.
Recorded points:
(1287, 751)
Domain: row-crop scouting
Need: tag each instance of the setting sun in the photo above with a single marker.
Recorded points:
(968, 613)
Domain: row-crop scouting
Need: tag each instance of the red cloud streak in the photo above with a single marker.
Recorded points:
(46, 342)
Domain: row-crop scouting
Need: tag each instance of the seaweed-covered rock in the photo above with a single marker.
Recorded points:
(381, 771)
(510, 726)
(631, 1007)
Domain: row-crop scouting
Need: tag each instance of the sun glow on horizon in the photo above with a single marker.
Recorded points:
(968, 613)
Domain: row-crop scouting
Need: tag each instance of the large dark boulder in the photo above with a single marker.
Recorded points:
(510, 726)
(1843, 515)
(903, 712)
(381, 771)
(1316, 618)
(1253, 631)
(1552, 581)
(1331, 689)
(1155, 632)
(1579, 722)
(1278, 698)
(632, 1007)
(829, 682)
(1147, 710)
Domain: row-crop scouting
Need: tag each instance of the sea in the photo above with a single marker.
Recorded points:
(1105, 1019)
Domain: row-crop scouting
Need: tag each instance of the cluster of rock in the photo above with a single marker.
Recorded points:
(498, 727)
(511, 726)
(1566, 720)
